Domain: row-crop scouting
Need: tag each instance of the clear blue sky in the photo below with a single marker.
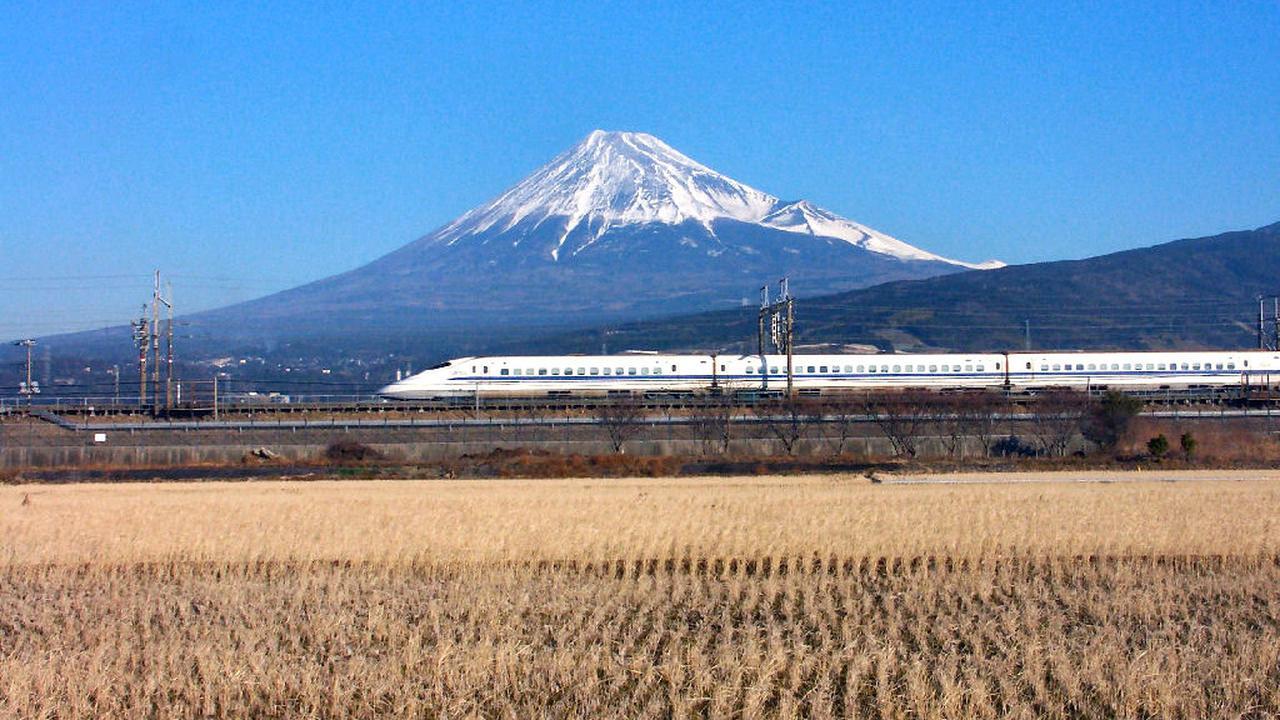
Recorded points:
(245, 150)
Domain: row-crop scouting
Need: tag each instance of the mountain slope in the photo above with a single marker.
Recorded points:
(1197, 292)
(620, 226)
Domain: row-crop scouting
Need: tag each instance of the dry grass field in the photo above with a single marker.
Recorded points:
(719, 597)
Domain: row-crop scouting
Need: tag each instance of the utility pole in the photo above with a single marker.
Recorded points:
(115, 373)
(1275, 322)
(1027, 341)
(781, 320)
(28, 388)
(1261, 333)
(142, 339)
(765, 312)
(168, 372)
(155, 345)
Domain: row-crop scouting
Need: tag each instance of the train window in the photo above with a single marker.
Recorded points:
(567, 371)
(968, 368)
(1219, 366)
(517, 371)
(1246, 363)
(810, 368)
(980, 368)
(1184, 366)
(657, 371)
(631, 371)
(1128, 366)
(1044, 368)
(595, 371)
(673, 368)
(722, 368)
(555, 371)
(1195, 366)
(473, 369)
(848, 368)
(486, 369)
(608, 371)
(884, 368)
(997, 366)
(862, 368)
(871, 368)
(1162, 366)
(1152, 366)
(582, 371)
(822, 369)
(504, 371)
(773, 370)
(946, 368)
(934, 368)
(1231, 366)
(1115, 366)
(542, 371)
(620, 371)
(1093, 366)
(644, 371)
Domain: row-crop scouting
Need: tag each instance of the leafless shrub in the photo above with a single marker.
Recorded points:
(789, 420)
(900, 417)
(712, 424)
(1057, 416)
(345, 451)
(842, 413)
(621, 419)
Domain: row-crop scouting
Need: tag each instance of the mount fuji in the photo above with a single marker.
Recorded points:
(621, 226)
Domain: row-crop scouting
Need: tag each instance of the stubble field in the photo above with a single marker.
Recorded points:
(722, 597)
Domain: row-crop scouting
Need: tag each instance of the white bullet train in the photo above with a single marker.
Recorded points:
(637, 373)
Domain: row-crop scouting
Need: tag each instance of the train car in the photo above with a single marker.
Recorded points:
(630, 373)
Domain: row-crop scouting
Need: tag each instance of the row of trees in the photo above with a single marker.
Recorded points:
(959, 423)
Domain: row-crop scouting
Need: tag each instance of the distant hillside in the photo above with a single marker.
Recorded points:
(1189, 293)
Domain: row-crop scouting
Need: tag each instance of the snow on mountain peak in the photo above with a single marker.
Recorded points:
(620, 178)
(615, 178)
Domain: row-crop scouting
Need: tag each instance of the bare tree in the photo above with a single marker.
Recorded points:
(621, 420)
(842, 413)
(712, 423)
(981, 416)
(789, 419)
(948, 411)
(900, 417)
(1056, 418)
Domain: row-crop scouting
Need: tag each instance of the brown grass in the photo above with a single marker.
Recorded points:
(752, 597)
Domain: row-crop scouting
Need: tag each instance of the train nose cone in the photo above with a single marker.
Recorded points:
(395, 389)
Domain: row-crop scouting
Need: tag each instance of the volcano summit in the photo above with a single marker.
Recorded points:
(621, 226)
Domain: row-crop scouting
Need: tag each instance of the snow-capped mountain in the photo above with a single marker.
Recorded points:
(614, 179)
(619, 227)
